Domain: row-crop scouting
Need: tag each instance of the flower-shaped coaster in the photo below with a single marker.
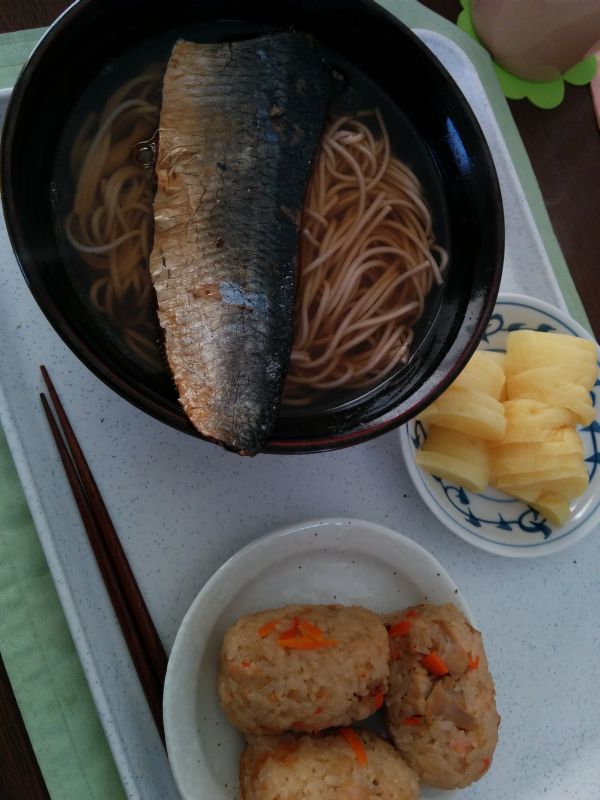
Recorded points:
(543, 94)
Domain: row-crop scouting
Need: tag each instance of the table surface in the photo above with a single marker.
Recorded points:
(564, 148)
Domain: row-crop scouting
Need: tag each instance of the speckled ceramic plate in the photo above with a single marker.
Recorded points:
(335, 560)
(492, 520)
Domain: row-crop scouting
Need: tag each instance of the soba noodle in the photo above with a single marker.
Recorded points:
(111, 222)
(368, 259)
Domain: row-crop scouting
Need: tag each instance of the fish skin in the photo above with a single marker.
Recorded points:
(239, 127)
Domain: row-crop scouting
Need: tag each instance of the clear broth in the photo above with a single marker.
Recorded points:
(355, 92)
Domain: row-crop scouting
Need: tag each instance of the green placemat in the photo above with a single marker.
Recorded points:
(42, 663)
(14, 49)
(34, 638)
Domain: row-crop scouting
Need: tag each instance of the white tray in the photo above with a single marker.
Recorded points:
(182, 507)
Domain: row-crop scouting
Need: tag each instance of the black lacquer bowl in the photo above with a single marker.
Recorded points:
(431, 127)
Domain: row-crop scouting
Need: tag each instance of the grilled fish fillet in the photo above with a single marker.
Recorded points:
(239, 126)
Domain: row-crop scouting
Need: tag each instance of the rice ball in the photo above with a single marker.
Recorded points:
(347, 765)
(303, 668)
(441, 708)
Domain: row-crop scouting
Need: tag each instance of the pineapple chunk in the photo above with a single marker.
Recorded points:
(532, 349)
(483, 374)
(568, 395)
(451, 455)
(453, 443)
(510, 420)
(558, 442)
(515, 459)
(452, 469)
(553, 506)
(534, 421)
(541, 342)
(570, 483)
(496, 355)
(517, 434)
(573, 371)
(468, 411)
(500, 359)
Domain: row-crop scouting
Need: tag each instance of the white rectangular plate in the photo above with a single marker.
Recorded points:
(182, 507)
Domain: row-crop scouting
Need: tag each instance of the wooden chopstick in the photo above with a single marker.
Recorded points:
(140, 634)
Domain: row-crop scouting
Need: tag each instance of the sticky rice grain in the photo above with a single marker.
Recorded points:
(267, 688)
(292, 767)
(445, 726)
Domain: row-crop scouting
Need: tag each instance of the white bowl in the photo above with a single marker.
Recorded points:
(336, 560)
(491, 520)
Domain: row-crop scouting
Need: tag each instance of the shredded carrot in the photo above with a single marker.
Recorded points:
(412, 720)
(268, 628)
(246, 664)
(378, 701)
(303, 635)
(412, 613)
(434, 664)
(400, 628)
(289, 632)
(356, 744)
(486, 764)
(310, 630)
(473, 662)
(304, 643)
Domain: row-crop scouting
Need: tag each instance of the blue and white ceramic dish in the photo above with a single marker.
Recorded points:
(492, 520)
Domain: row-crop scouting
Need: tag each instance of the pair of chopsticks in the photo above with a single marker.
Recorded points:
(142, 639)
